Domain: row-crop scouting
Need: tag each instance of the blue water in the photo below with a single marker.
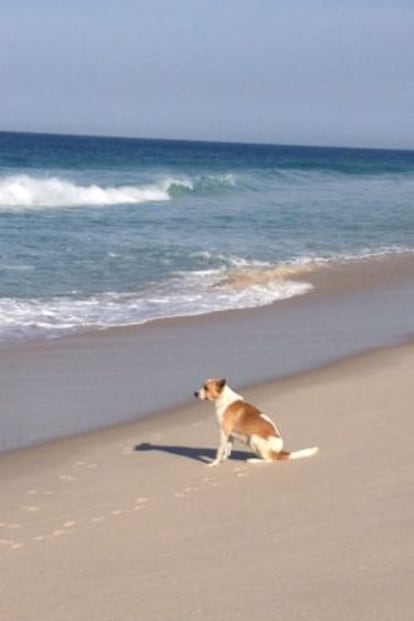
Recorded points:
(98, 232)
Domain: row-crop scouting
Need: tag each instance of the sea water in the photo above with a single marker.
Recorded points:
(98, 232)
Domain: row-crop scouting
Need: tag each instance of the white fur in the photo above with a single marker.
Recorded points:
(307, 452)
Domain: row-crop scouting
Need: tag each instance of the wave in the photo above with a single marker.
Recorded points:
(26, 191)
(245, 277)
(202, 184)
(240, 284)
(183, 294)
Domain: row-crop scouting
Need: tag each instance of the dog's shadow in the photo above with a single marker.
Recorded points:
(205, 455)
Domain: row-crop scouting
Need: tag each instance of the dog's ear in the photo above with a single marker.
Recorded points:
(222, 383)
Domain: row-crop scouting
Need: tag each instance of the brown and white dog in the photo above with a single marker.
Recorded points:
(238, 420)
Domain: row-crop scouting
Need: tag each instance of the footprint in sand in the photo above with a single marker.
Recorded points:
(65, 529)
(30, 508)
(11, 544)
(9, 527)
(141, 500)
(240, 472)
(67, 478)
(85, 464)
(36, 492)
(185, 492)
(140, 503)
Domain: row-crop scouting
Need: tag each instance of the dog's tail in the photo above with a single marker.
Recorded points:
(307, 452)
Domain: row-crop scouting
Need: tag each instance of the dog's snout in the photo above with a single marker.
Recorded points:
(196, 393)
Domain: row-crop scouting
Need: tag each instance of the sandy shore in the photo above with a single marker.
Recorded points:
(80, 383)
(128, 523)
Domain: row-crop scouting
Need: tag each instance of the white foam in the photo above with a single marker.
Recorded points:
(24, 191)
(192, 293)
(238, 284)
(31, 192)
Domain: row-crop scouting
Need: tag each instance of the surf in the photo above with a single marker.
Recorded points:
(25, 191)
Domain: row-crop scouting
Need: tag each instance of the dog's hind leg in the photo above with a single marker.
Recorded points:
(266, 449)
(260, 446)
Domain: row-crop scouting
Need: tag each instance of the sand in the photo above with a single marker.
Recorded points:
(128, 523)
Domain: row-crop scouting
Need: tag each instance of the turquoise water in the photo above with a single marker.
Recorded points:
(98, 232)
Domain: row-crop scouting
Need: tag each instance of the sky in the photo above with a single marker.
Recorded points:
(316, 72)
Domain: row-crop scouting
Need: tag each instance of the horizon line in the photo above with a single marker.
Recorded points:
(204, 140)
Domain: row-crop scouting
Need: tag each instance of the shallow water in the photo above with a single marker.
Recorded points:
(100, 232)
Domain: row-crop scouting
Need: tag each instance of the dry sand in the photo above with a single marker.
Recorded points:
(92, 528)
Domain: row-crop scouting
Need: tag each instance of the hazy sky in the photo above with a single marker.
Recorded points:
(333, 72)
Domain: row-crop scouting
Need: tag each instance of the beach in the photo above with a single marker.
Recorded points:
(129, 522)
(131, 271)
(108, 510)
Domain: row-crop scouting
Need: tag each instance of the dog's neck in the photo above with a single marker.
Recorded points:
(226, 398)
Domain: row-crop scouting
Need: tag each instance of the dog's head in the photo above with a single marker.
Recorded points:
(211, 389)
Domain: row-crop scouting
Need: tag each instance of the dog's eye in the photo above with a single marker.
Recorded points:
(205, 387)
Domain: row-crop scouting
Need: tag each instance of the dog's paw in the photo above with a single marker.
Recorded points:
(212, 464)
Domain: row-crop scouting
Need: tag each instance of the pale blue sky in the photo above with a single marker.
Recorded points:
(333, 72)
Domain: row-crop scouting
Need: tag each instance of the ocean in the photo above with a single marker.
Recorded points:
(102, 232)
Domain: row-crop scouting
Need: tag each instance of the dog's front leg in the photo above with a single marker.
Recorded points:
(229, 447)
(224, 449)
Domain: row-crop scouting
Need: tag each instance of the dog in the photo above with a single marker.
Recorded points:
(239, 420)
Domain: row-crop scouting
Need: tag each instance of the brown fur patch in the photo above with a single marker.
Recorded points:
(282, 455)
(244, 419)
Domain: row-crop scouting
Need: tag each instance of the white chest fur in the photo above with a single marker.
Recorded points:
(226, 398)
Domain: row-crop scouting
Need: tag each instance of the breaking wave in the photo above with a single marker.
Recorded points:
(30, 192)
(243, 278)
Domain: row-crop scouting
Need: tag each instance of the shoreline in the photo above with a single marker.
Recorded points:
(326, 277)
(79, 383)
(178, 414)
(112, 511)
